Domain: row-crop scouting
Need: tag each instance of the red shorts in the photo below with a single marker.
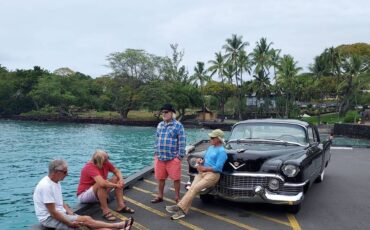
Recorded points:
(164, 169)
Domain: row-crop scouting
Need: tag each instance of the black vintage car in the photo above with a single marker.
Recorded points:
(269, 160)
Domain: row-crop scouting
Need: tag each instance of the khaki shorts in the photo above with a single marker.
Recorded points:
(50, 222)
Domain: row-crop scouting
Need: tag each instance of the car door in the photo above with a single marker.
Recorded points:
(315, 153)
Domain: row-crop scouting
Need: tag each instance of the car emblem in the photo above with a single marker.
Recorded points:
(236, 165)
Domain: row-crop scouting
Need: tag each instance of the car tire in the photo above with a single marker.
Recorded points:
(320, 178)
(206, 198)
(294, 209)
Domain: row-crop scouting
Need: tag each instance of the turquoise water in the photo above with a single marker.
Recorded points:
(27, 147)
(354, 142)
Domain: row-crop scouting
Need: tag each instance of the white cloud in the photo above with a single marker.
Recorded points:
(80, 34)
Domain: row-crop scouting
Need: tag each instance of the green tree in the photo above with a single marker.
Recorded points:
(353, 66)
(131, 69)
(262, 60)
(218, 66)
(234, 48)
(286, 80)
(319, 68)
(200, 75)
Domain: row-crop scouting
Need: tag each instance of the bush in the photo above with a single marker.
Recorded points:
(351, 117)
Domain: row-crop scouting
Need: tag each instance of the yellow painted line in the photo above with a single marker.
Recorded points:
(162, 214)
(214, 215)
(154, 183)
(293, 222)
(150, 182)
(256, 214)
(136, 224)
(270, 219)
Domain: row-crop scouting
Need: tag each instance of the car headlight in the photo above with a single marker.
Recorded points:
(290, 170)
(273, 184)
(193, 162)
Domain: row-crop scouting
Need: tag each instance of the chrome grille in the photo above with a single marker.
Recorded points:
(243, 186)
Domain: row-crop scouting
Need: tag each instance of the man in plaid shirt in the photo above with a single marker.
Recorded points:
(169, 151)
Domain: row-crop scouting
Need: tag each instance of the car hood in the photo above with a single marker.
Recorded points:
(262, 157)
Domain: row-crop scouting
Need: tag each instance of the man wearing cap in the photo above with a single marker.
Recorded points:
(209, 170)
(169, 151)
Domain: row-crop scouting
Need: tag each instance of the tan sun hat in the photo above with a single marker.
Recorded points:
(217, 133)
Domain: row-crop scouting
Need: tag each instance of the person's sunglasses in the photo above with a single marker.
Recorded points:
(65, 172)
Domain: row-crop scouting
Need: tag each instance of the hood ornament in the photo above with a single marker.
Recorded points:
(236, 165)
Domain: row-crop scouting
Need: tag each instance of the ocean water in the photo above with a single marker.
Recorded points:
(27, 147)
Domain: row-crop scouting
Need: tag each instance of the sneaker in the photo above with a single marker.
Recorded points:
(178, 215)
(172, 208)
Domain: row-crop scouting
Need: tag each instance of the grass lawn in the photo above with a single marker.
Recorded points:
(329, 118)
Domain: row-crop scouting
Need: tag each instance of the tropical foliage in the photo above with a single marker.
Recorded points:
(139, 80)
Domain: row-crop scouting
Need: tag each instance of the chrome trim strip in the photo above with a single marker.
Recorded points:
(243, 174)
(296, 184)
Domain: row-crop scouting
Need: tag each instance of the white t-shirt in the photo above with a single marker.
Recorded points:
(47, 191)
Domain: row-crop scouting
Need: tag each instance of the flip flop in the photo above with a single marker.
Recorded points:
(126, 210)
(128, 224)
(109, 216)
(157, 200)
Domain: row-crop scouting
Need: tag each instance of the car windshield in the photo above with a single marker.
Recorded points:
(270, 131)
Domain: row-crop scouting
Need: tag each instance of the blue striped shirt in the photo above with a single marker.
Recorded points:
(170, 140)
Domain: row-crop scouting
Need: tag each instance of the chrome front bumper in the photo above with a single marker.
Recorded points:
(252, 188)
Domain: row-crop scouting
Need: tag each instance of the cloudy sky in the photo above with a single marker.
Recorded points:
(79, 34)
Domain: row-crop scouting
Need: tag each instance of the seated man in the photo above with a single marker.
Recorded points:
(52, 212)
(209, 173)
(94, 185)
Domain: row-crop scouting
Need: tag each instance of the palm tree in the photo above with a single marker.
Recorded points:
(200, 74)
(333, 59)
(218, 66)
(262, 56)
(287, 71)
(352, 66)
(244, 65)
(233, 49)
(275, 58)
(262, 60)
(319, 69)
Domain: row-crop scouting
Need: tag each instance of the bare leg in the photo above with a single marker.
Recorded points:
(118, 193)
(96, 224)
(176, 185)
(161, 184)
(102, 194)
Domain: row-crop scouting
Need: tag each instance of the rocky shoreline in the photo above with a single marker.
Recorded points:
(92, 120)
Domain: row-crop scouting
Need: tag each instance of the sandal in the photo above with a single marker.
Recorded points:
(109, 216)
(128, 224)
(157, 200)
(126, 210)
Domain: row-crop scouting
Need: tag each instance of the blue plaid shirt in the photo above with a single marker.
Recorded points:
(170, 140)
